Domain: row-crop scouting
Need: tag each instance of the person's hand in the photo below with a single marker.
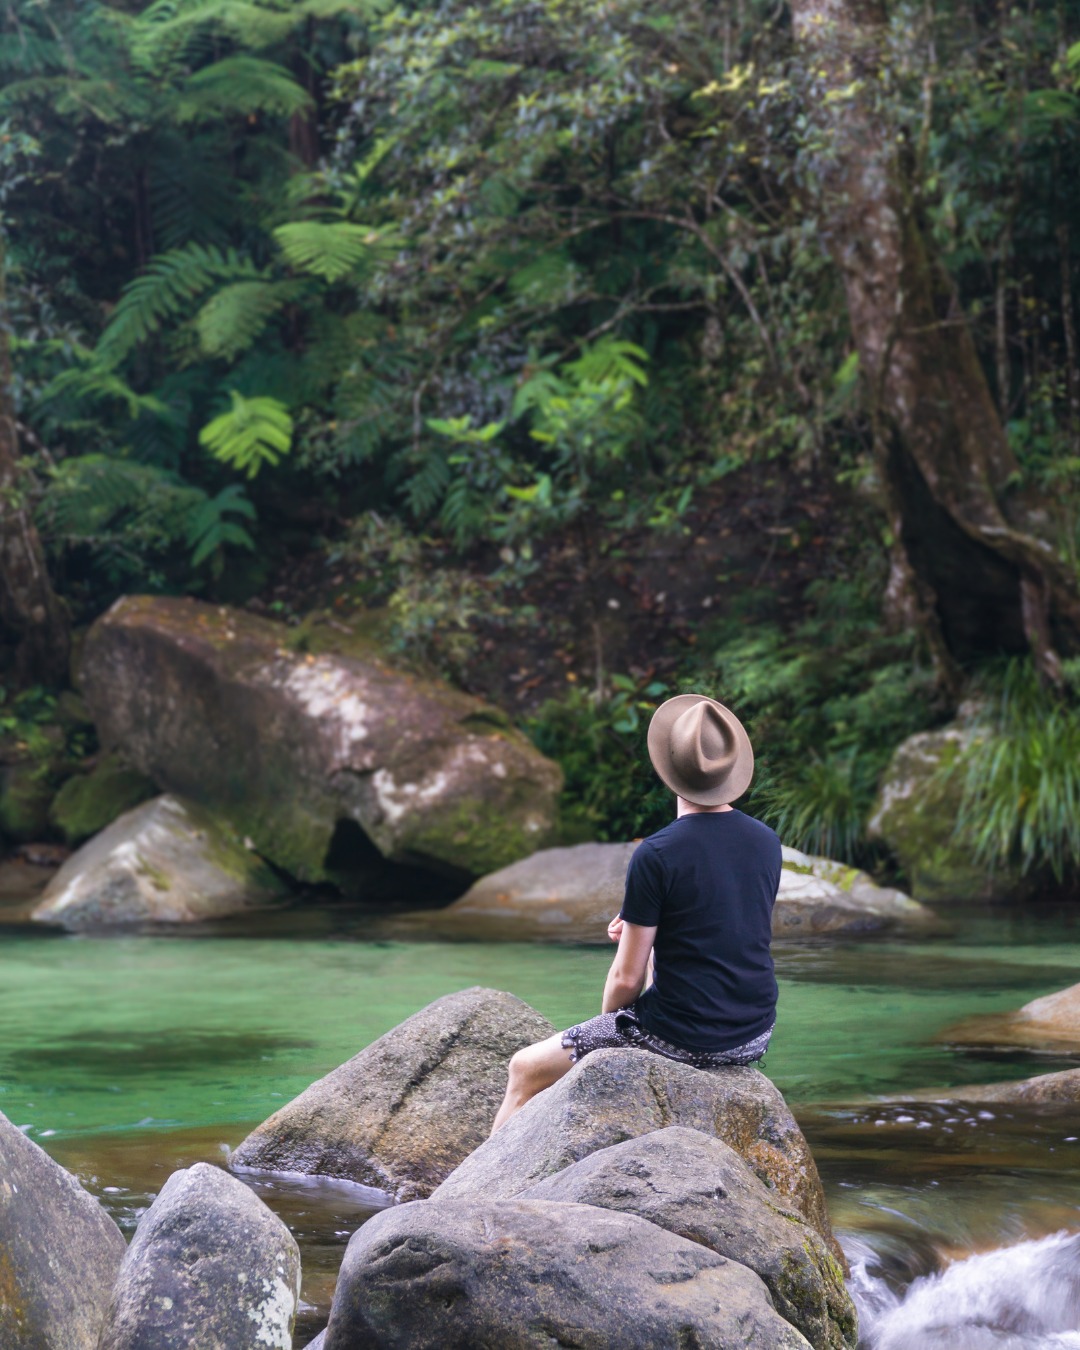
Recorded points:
(614, 929)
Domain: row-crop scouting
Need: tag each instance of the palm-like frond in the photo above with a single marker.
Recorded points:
(329, 249)
(165, 291)
(254, 432)
(233, 317)
(239, 86)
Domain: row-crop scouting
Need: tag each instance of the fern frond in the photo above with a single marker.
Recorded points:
(426, 487)
(239, 86)
(86, 493)
(233, 317)
(97, 384)
(328, 249)
(209, 530)
(165, 290)
(254, 432)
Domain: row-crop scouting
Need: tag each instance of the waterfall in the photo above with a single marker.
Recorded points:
(1023, 1297)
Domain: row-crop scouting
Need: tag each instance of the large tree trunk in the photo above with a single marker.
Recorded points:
(973, 565)
(31, 614)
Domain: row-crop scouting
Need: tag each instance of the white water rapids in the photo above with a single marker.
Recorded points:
(1023, 1297)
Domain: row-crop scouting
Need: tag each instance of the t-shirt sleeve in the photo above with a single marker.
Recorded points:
(645, 888)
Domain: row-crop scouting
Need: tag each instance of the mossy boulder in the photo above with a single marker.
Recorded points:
(916, 812)
(89, 801)
(291, 745)
(167, 861)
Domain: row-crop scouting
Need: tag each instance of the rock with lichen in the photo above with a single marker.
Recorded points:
(697, 1187)
(209, 1266)
(299, 747)
(167, 861)
(527, 1274)
(405, 1111)
(59, 1252)
(613, 1095)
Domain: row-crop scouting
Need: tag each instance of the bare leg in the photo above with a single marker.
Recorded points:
(531, 1070)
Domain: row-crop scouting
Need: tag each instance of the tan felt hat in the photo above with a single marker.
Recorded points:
(701, 750)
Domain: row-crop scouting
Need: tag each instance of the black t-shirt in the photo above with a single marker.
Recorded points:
(707, 883)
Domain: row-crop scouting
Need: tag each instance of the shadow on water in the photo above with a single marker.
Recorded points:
(89, 1055)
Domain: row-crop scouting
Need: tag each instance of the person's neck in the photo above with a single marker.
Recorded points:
(685, 808)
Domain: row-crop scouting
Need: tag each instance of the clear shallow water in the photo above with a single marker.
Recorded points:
(130, 1056)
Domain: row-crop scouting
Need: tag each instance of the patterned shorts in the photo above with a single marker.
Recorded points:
(622, 1030)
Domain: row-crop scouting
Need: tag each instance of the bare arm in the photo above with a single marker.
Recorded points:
(630, 967)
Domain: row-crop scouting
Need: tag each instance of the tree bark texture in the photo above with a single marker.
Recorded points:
(974, 566)
(32, 617)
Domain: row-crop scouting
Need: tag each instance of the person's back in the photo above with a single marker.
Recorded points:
(699, 899)
(707, 883)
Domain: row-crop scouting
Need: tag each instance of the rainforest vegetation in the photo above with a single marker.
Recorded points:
(588, 349)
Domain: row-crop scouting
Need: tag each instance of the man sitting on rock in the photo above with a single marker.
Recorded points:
(699, 900)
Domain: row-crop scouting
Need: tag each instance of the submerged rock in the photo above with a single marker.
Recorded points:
(88, 802)
(613, 1095)
(402, 1114)
(1046, 1089)
(571, 895)
(698, 1188)
(59, 1252)
(519, 1274)
(167, 861)
(1051, 1023)
(291, 746)
(209, 1266)
(915, 814)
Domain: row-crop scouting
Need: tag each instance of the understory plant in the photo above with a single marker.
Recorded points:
(1020, 804)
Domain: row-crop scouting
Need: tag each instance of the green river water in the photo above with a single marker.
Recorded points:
(128, 1056)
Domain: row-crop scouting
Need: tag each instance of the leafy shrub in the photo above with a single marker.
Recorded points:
(611, 792)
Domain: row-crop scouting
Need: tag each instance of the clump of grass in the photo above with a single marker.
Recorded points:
(819, 807)
(1020, 804)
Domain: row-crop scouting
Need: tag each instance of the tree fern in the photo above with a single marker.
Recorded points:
(233, 317)
(165, 291)
(327, 249)
(239, 86)
(254, 432)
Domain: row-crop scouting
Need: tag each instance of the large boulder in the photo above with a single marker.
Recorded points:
(915, 815)
(402, 1114)
(59, 1252)
(1048, 1023)
(612, 1095)
(209, 1266)
(167, 861)
(571, 895)
(520, 1274)
(219, 706)
(698, 1188)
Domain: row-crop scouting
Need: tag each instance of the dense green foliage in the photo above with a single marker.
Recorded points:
(438, 288)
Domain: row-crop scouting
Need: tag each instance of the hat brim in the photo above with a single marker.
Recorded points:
(738, 777)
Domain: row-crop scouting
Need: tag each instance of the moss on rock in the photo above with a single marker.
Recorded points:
(89, 801)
